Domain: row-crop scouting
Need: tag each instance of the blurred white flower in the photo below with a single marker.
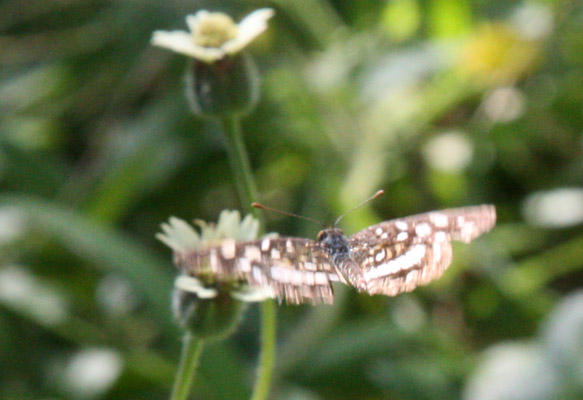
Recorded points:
(562, 333)
(504, 104)
(449, 152)
(11, 225)
(533, 20)
(557, 208)
(21, 290)
(91, 372)
(213, 36)
(512, 371)
(116, 295)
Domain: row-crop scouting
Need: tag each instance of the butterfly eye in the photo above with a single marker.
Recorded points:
(322, 235)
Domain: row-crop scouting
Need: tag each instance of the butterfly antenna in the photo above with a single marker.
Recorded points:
(371, 198)
(261, 206)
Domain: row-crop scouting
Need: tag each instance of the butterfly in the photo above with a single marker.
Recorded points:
(388, 258)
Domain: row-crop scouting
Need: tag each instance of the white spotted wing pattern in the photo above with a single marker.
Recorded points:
(397, 256)
(387, 258)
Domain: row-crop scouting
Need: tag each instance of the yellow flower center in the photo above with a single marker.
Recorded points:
(214, 30)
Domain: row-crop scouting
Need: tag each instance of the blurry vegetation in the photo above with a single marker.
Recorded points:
(441, 103)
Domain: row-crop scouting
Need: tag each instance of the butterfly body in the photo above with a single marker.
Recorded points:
(388, 258)
(337, 245)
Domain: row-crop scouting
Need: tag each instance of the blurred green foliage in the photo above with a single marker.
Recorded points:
(441, 103)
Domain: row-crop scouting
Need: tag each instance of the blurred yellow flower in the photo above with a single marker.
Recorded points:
(497, 53)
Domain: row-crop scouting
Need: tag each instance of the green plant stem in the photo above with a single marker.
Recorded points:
(191, 349)
(267, 356)
(247, 190)
(240, 165)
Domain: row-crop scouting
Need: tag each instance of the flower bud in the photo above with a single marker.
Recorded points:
(225, 87)
(214, 318)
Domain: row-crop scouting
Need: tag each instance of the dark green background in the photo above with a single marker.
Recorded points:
(97, 148)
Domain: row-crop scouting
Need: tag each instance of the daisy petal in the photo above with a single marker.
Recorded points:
(207, 293)
(248, 229)
(193, 285)
(257, 17)
(249, 28)
(181, 42)
(228, 223)
(168, 242)
(249, 295)
(179, 236)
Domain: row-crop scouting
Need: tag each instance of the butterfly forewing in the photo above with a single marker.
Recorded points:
(292, 269)
(398, 255)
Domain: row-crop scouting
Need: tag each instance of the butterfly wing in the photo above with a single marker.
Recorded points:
(292, 269)
(399, 255)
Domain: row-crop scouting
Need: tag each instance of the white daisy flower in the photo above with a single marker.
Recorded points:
(213, 36)
(181, 237)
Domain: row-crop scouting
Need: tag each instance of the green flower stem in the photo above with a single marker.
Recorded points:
(191, 349)
(241, 166)
(267, 356)
(248, 193)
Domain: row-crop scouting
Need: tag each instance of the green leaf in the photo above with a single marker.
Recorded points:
(103, 247)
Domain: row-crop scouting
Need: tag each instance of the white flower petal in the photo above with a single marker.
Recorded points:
(167, 241)
(249, 294)
(173, 40)
(248, 228)
(187, 283)
(185, 233)
(207, 293)
(257, 18)
(193, 20)
(228, 224)
(181, 42)
(179, 236)
(193, 285)
(208, 233)
(249, 28)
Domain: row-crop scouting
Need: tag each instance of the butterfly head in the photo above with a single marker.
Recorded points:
(334, 242)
